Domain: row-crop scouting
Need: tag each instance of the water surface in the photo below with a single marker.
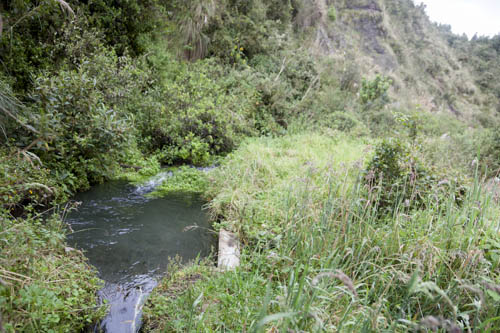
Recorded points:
(129, 238)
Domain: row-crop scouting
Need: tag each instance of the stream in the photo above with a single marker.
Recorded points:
(130, 239)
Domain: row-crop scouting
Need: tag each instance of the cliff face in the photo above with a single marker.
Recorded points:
(396, 38)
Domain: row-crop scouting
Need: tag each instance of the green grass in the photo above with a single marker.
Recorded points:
(317, 256)
(253, 183)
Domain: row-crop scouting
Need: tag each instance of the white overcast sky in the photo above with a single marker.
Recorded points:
(466, 16)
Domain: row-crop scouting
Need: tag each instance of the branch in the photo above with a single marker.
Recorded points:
(28, 127)
(313, 83)
(283, 66)
(66, 6)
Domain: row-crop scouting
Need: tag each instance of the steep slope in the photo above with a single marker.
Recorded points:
(397, 39)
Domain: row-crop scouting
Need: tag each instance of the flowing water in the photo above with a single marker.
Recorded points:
(129, 238)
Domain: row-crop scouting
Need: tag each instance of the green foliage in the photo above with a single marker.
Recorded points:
(36, 33)
(374, 93)
(25, 180)
(197, 117)
(397, 177)
(252, 25)
(332, 13)
(183, 180)
(482, 55)
(402, 181)
(79, 114)
(52, 289)
(490, 151)
(27, 44)
(276, 165)
(102, 89)
(10, 110)
(127, 24)
(139, 168)
(193, 17)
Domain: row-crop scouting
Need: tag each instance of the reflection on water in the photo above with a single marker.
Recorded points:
(129, 239)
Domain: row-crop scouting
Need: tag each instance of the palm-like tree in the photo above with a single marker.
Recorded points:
(191, 27)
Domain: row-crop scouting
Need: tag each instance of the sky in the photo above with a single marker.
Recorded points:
(466, 16)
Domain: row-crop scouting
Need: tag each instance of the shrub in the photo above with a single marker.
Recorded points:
(490, 151)
(29, 47)
(374, 93)
(332, 13)
(401, 181)
(197, 118)
(39, 32)
(80, 115)
(25, 180)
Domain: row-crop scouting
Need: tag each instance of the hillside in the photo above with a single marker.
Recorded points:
(356, 147)
(397, 38)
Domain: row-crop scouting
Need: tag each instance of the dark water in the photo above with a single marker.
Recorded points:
(129, 238)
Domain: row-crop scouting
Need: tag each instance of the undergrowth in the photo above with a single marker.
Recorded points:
(318, 256)
(45, 286)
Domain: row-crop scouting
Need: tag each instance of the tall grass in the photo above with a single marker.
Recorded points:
(354, 272)
(323, 259)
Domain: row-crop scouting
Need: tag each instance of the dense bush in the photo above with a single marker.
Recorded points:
(201, 109)
(27, 45)
(399, 180)
(374, 93)
(191, 116)
(490, 151)
(25, 180)
(80, 114)
(36, 32)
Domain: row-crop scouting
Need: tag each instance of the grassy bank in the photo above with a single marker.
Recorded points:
(318, 256)
(45, 286)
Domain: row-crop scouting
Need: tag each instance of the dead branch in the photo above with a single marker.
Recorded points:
(283, 66)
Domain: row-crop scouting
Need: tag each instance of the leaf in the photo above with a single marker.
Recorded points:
(494, 295)
(486, 323)
(274, 317)
(197, 301)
